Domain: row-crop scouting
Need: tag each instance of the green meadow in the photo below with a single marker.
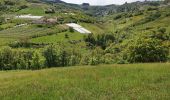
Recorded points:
(60, 37)
(102, 82)
(127, 56)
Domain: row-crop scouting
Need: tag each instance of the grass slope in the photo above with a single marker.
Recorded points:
(60, 37)
(104, 82)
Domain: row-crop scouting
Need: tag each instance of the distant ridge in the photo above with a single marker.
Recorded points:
(55, 1)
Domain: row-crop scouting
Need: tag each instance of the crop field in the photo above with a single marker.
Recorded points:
(102, 82)
(23, 32)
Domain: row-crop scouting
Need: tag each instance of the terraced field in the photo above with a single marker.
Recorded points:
(60, 37)
(24, 31)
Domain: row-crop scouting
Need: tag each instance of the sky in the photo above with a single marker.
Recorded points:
(99, 2)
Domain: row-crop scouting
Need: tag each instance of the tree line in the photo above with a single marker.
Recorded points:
(101, 50)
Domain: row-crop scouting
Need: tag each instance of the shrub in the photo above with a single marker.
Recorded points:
(37, 61)
(71, 29)
(6, 58)
(118, 17)
(12, 59)
(147, 50)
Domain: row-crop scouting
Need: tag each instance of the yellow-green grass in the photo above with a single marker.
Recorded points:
(5, 41)
(34, 9)
(60, 37)
(24, 31)
(103, 82)
(94, 28)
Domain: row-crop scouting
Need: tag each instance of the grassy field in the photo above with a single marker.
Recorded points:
(60, 37)
(103, 82)
(5, 41)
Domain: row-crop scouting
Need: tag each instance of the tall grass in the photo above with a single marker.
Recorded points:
(103, 82)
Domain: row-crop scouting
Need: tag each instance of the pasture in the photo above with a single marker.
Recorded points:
(60, 37)
(102, 82)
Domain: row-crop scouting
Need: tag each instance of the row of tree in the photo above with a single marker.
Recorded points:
(138, 51)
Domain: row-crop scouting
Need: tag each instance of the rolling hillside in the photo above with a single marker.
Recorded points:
(125, 54)
(115, 28)
(138, 81)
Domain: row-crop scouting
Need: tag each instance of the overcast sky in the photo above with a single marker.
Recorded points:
(99, 2)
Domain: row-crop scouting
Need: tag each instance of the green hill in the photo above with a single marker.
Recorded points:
(129, 33)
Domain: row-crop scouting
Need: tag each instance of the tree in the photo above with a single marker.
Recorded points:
(37, 61)
(147, 50)
(51, 56)
(6, 58)
(66, 36)
(96, 56)
(2, 20)
(71, 29)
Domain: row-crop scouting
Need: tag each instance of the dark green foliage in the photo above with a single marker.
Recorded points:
(2, 20)
(51, 56)
(71, 29)
(58, 56)
(102, 40)
(90, 39)
(50, 11)
(23, 7)
(151, 8)
(118, 16)
(153, 17)
(161, 34)
(66, 36)
(9, 2)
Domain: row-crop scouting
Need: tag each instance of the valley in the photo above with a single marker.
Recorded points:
(50, 49)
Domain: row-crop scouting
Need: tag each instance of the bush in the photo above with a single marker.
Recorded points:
(37, 61)
(102, 40)
(12, 59)
(58, 56)
(2, 20)
(71, 29)
(6, 58)
(147, 50)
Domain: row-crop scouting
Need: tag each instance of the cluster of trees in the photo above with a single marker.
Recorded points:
(50, 56)
(145, 49)
(101, 40)
(19, 59)
(104, 51)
